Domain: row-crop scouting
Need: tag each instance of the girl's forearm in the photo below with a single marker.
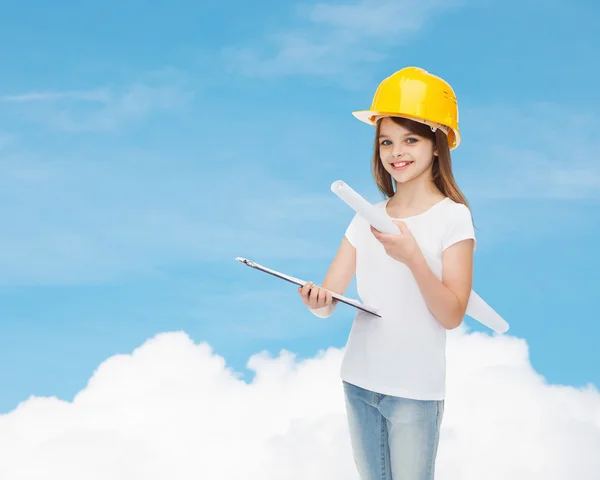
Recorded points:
(441, 301)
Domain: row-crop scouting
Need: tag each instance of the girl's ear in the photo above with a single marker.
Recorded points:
(435, 152)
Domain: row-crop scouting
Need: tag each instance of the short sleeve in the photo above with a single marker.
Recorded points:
(460, 227)
(352, 231)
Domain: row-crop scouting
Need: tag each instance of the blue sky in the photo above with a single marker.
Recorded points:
(143, 148)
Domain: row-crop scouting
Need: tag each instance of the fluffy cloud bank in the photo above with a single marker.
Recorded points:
(173, 409)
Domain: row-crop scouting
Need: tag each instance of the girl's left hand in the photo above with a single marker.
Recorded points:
(401, 246)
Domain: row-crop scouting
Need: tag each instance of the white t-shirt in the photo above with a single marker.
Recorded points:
(403, 353)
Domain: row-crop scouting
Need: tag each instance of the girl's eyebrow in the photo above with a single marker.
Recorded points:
(405, 135)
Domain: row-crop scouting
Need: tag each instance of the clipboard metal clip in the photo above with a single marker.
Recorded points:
(250, 263)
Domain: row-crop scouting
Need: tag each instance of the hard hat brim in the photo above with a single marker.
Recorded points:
(371, 116)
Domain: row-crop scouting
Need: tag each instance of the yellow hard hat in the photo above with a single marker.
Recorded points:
(418, 95)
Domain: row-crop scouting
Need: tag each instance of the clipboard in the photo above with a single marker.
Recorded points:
(297, 281)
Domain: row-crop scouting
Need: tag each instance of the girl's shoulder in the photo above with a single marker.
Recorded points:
(455, 207)
(457, 223)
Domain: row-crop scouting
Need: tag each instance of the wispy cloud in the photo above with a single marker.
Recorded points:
(538, 151)
(98, 109)
(101, 96)
(5, 139)
(74, 221)
(328, 39)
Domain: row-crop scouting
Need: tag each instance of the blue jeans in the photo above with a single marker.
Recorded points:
(392, 438)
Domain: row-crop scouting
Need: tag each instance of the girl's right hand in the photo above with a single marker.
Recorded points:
(315, 297)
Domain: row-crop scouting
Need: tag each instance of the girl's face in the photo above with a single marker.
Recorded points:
(403, 154)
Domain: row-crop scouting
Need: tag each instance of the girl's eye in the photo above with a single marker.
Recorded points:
(409, 140)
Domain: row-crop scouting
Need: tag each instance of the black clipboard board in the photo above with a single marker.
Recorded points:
(297, 281)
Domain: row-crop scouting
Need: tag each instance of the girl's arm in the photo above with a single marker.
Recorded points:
(339, 276)
(447, 299)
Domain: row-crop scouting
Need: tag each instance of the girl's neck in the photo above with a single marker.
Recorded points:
(414, 196)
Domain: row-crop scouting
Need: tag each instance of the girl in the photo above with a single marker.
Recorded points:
(394, 367)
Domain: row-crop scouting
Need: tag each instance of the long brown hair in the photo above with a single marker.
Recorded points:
(441, 169)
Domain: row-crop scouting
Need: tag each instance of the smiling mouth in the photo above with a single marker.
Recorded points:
(401, 165)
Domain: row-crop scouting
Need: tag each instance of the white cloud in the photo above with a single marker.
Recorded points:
(332, 38)
(100, 109)
(173, 409)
